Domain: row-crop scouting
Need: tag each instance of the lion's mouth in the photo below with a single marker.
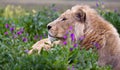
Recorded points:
(50, 35)
(54, 38)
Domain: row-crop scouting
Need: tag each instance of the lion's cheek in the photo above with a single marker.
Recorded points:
(60, 34)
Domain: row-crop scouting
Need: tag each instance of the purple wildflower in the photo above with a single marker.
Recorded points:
(81, 38)
(68, 68)
(73, 67)
(75, 45)
(54, 9)
(71, 49)
(65, 37)
(12, 29)
(97, 4)
(6, 33)
(71, 28)
(72, 37)
(6, 25)
(67, 32)
(35, 37)
(24, 39)
(19, 32)
(45, 35)
(96, 45)
(65, 43)
(115, 10)
(14, 36)
(40, 37)
(102, 3)
(26, 51)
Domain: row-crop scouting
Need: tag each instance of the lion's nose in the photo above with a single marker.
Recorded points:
(49, 27)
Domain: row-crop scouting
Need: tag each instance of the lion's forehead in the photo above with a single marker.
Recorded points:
(74, 9)
(67, 12)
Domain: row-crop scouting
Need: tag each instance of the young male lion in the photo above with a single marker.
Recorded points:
(86, 22)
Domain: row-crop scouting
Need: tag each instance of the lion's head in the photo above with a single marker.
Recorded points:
(74, 18)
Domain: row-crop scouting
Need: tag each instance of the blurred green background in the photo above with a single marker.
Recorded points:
(60, 4)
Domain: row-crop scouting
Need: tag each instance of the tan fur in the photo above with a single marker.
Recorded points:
(86, 22)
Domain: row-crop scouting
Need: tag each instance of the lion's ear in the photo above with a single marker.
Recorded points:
(80, 15)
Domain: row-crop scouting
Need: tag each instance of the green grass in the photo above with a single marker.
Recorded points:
(13, 46)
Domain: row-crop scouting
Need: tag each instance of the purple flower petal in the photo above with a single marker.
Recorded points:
(19, 32)
(26, 51)
(6, 25)
(40, 37)
(81, 38)
(67, 32)
(71, 28)
(71, 49)
(68, 68)
(35, 37)
(65, 43)
(12, 29)
(15, 36)
(115, 10)
(72, 37)
(6, 33)
(102, 3)
(55, 9)
(65, 37)
(73, 67)
(97, 4)
(96, 45)
(24, 39)
(45, 35)
(75, 45)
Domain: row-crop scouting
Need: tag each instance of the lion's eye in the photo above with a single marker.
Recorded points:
(64, 19)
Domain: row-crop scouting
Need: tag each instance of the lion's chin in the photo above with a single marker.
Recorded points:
(52, 39)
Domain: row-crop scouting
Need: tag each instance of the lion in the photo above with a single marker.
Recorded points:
(85, 21)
